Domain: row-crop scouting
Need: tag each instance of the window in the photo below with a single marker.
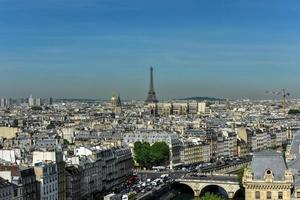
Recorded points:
(269, 195)
(16, 192)
(280, 195)
(257, 195)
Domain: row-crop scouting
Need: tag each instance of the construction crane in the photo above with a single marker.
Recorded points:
(284, 94)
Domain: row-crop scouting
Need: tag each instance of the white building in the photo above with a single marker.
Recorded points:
(47, 180)
(10, 155)
(30, 101)
(38, 101)
(201, 108)
(102, 168)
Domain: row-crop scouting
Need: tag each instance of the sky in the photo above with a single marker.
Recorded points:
(94, 48)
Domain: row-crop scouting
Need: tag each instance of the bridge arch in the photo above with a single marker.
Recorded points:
(184, 187)
(239, 194)
(215, 189)
(228, 189)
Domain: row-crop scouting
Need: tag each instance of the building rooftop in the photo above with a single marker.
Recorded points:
(268, 160)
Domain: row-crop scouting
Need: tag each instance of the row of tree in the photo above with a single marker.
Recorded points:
(147, 155)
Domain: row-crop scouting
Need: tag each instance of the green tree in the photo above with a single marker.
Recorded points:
(147, 155)
(274, 147)
(137, 152)
(159, 153)
(50, 126)
(294, 111)
(142, 153)
(240, 175)
(210, 196)
(66, 142)
(36, 108)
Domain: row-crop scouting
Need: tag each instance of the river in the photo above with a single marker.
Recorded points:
(189, 196)
(186, 196)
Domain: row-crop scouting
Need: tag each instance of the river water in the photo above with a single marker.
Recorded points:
(189, 196)
(186, 196)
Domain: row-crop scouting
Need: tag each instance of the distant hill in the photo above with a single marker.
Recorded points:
(203, 99)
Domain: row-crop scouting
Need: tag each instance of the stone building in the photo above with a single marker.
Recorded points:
(101, 169)
(23, 180)
(73, 186)
(293, 161)
(47, 180)
(116, 104)
(56, 156)
(268, 177)
(6, 190)
(194, 152)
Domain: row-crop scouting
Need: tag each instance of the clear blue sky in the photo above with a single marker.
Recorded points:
(93, 48)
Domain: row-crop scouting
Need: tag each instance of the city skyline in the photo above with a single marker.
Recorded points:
(220, 49)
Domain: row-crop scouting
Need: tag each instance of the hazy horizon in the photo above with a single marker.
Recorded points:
(93, 49)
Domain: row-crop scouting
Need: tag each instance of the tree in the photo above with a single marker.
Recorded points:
(210, 196)
(147, 155)
(159, 153)
(274, 147)
(50, 126)
(66, 142)
(142, 153)
(36, 108)
(15, 123)
(240, 178)
(294, 111)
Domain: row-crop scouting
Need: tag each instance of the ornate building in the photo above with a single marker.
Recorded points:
(268, 177)
(115, 103)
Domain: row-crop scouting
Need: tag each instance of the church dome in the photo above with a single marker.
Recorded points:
(115, 101)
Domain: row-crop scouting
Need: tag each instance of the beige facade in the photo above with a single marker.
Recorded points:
(202, 108)
(267, 188)
(57, 157)
(195, 153)
(8, 132)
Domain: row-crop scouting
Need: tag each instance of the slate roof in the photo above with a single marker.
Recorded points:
(294, 165)
(268, 160)
(295, 143)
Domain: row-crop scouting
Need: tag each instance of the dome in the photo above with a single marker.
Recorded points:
(115, 101)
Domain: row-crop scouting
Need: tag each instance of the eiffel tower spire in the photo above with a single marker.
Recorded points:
(151, 94)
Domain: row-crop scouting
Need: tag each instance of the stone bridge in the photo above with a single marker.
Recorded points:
(229, 184)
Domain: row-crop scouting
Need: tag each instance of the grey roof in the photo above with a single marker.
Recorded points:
(294, 165)
(295, 143)
(268, 160)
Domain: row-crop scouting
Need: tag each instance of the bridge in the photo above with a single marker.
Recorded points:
(200, 185)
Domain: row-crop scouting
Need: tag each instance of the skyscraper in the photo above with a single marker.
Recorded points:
(151, 94)
(38, 101)
(2, 102)
(50, 101)
(30, 101)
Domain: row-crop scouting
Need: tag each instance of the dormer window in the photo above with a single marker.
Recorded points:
(268, 175)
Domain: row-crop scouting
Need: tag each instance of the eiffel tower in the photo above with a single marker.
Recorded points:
(151, 94)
